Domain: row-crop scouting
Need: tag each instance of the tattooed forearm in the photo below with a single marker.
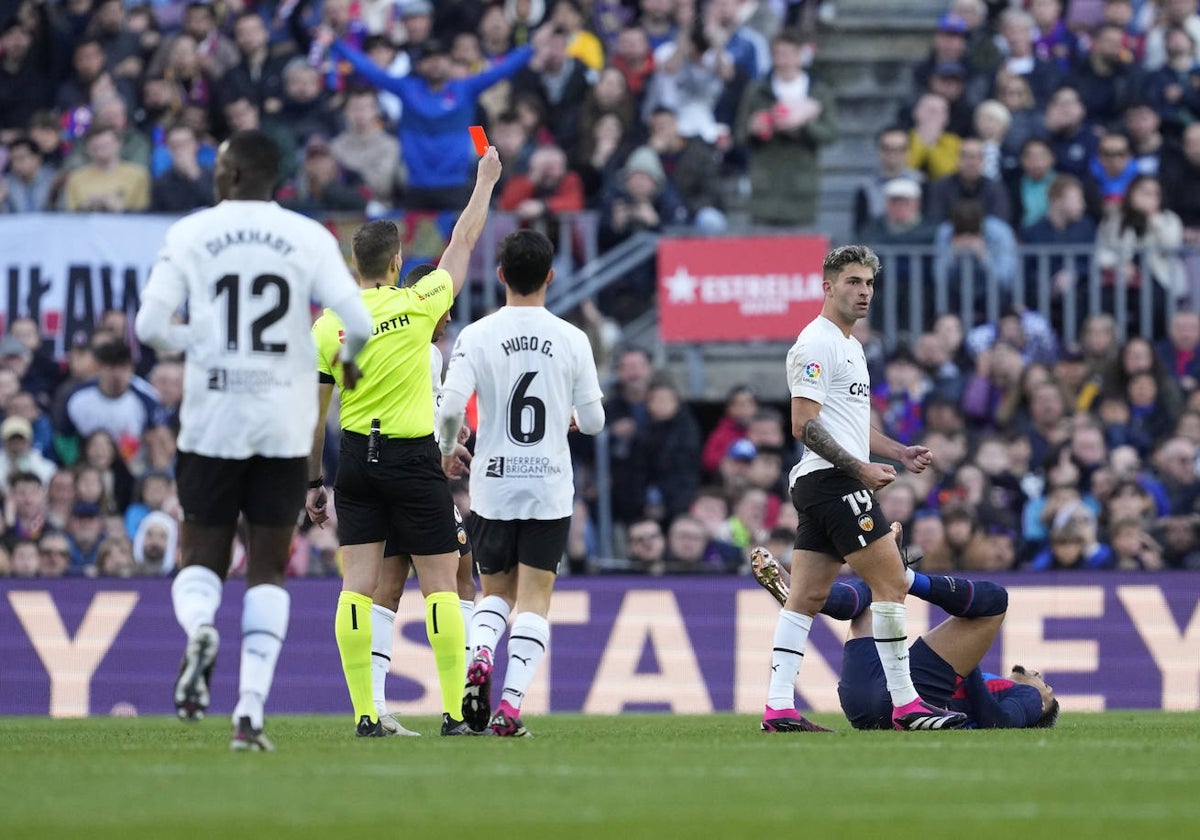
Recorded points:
(817, 438)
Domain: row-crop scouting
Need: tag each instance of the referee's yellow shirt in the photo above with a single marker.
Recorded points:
(395, 387)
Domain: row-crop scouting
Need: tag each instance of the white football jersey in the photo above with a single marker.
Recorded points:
(248, 271)
(435, 376)
(529, 369)
(827, 367)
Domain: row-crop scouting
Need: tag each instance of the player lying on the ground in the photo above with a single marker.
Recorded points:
(944, 661)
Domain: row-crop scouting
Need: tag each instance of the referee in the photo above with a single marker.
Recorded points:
(390, 480)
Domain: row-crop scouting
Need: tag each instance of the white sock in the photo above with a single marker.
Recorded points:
(265, 612)
(909, 577)
(887, 625)
(468, 610)
(527, 645)
(196, 595)
(383, 625)
(791, 637)
(488, 622)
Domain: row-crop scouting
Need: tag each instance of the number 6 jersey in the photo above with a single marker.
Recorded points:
(529, 369)
(247, 271)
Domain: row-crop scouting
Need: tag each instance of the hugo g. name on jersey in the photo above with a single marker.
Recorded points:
(248, 270)
(830, 368)
(529, 369)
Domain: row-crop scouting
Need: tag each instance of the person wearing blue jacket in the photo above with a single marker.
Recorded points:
(438, 112)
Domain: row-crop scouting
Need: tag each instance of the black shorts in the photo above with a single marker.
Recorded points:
(404, 496)
(862, 688)
(838, 515)
(391, 546)
(213, 491)
(502, 543)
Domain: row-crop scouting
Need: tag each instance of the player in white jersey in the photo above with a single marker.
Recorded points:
(393, 573)
(833, 489)
(247, 270)
(528, 369)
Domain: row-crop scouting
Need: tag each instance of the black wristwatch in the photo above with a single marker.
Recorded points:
(319, 481)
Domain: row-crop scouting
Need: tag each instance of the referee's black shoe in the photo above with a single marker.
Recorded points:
(450, 726)
(368, 728)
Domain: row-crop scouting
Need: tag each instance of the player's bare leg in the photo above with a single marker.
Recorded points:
(447, 633)
(196, 595)
(265, 613)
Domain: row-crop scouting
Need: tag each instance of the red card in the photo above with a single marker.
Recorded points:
(479, 139)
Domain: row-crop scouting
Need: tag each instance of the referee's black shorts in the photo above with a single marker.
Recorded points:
(404, 497)
(838, 515)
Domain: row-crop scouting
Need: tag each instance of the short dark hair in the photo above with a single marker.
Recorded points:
(526, 258)
(25, 478)
(417, 272)
(839, 258)
(375, 243)
(113, 353)
(256, 156)
(25, 142)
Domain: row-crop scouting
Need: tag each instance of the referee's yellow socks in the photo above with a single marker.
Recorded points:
(448, 637)
(352, 627)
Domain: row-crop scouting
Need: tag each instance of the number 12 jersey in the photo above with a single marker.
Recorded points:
(529, 369)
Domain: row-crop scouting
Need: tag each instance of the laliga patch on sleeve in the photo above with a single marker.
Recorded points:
(812, 371)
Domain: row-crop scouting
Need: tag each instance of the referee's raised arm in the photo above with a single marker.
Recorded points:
(469, 227)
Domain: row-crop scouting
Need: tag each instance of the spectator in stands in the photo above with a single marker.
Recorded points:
(1055, 42)
(1134, 550)
(1138, 244)
(691, 550)
(365, 149)
(692, 169)
(28, 186)
(110, 109)
(1065, 223)
(321, 186)
(1017, 30)
(1180, 539)
(27, 72)
(1179, 14)
(59, 498)
(242, 114)
(100, 451)
(946, 379)
(747, 524)
(1074, 543)
(891, 146)
(963, 544)
(122, 404)
(115, 559)
(740, 407)
(85, 532)
(1113, 168)
(1180, 350)
(994, 384)
(23, 561)
(1107, 80)
(991, 122)
(626, 417)
(548, 190)
(107, 184)
(568, 16)
(1173, 90)
(988, 244)
(1120, 13)
(54, 555)
(155, 545)
(1071, 136)
(215, 52)
(949, 81)
(307, 107)
(88, 62)
(1143, 128)
(634, 59)
(258, 75)
(785, 119)
(45, 131)
(950, 48)
(647, 547)
(968, 182)
(932, 147)
(1181, 183)
(899, 397)
(122, 47)
(18, 455)
(1030, 186)
(1025, 119)
(657, 20)
(187, 185)
(610, 95)
(27, 514)
(598, 158)
(437, 112)
(559, 82)
(671, 445)
(903, 225)
(643, 201)
(749, 48)
(495, 33)
(22, 405)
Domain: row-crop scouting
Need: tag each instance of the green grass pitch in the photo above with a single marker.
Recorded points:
(1118, 775)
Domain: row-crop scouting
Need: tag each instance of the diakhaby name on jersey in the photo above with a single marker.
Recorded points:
(249, 237)
(526, 342)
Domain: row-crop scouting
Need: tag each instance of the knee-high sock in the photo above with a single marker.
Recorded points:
(265, 612)
(791, 637)
(847, 599)
(891, 641)
(961, 596)
(196, 595)
(352, 627)
(468, 611)
(383, 624)
(488, 623)
(527, 645)
(447, 637)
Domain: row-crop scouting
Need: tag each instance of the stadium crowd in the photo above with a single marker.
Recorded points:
(1039, 122)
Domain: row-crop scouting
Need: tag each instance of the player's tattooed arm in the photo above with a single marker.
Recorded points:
(817, 438)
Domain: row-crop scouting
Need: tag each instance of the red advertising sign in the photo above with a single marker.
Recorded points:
(739, 288)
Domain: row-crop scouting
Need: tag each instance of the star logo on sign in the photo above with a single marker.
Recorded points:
(681, 286)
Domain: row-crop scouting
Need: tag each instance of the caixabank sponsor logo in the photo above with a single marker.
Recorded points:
(502, 466)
